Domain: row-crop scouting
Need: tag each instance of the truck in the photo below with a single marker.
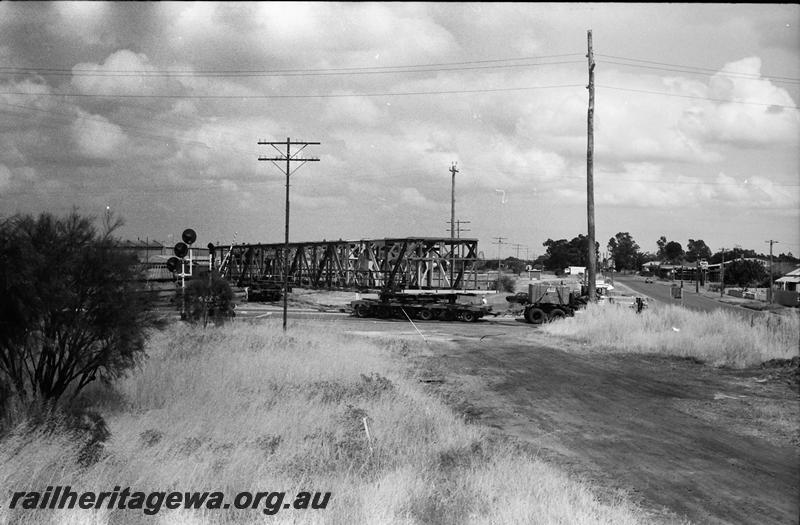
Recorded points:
(548, 302)
(425, 305)
(263, 291)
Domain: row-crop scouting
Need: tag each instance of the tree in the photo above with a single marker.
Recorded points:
(697, 250)
(624, 251)
(209, 298)
(661, 243)
(557, 255)
(673, 251)
(69, 308)
(561, 253)
(742, 272)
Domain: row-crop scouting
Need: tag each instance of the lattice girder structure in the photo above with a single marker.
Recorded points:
(376, 264)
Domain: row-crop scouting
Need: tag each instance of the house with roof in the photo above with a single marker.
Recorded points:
(786, 289)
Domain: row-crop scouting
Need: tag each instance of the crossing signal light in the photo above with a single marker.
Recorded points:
(181, 249)
(189, 236)
(173, 263)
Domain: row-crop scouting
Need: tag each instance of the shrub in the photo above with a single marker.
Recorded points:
(69, 308)
(507, 283)
(208, 298)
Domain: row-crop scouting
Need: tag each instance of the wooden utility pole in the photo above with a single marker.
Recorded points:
(697, 276)
(499, 243)
(289, 157)
(722, 275)
(771, 284)
(592, 259)
(453, 172)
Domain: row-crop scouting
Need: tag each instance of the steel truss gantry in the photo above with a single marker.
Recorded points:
(376, 264)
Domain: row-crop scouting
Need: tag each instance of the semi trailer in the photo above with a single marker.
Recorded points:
(425, 305)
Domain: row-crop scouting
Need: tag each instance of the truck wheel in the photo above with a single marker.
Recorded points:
(468, 317)
(362, 310)
(556, 314)
(535, 315)
(425, 314)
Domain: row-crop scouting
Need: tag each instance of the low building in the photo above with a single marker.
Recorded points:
(786, 289)
(789, 281)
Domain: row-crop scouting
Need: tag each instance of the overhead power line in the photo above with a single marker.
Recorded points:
(156, 74)
(697, 97)
(328, 95)
(698, 69)
(266, 72)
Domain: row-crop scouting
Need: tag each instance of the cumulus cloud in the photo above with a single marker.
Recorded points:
(121, 73)
(660, 142)
(751, 109)
(97, 137)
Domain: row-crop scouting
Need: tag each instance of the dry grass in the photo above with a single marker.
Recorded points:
(247, 408)
(719, 337)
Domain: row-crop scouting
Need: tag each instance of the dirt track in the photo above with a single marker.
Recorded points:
(662, 430)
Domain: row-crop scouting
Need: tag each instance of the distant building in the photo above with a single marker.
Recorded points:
(788, 282)
(786, 292)
(575, 270)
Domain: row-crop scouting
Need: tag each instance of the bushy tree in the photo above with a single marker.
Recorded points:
(69, 308)
(209, 298)
(743, 272)
(563, 253)
(673, 251)
(662, 244)
(697, 250)
(624, 251)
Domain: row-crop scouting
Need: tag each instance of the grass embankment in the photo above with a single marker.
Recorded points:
(248, 408)
(719, 338)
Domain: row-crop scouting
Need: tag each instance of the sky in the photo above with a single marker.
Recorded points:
(154, 111)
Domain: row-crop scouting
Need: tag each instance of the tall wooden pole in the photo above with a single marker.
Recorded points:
(592, 259)
(286, 241)
(289, 158)
(453, 171)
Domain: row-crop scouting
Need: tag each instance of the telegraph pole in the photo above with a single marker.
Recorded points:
(722, 275)
(453, 172)
(771, 284)
(591, 271)
(289, 157)
(499, 243)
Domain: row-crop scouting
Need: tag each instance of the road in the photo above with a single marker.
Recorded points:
(624, 422)
(661, 293)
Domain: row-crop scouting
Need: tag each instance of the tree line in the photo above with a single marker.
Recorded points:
(624, 254)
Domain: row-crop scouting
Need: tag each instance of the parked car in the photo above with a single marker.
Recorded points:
(648, 280)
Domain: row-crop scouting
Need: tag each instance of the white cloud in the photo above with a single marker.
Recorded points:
(97, 137)
(413, 197)
(124, 73)
(759, 112)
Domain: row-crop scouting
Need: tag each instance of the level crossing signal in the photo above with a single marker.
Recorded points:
(181, 250)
